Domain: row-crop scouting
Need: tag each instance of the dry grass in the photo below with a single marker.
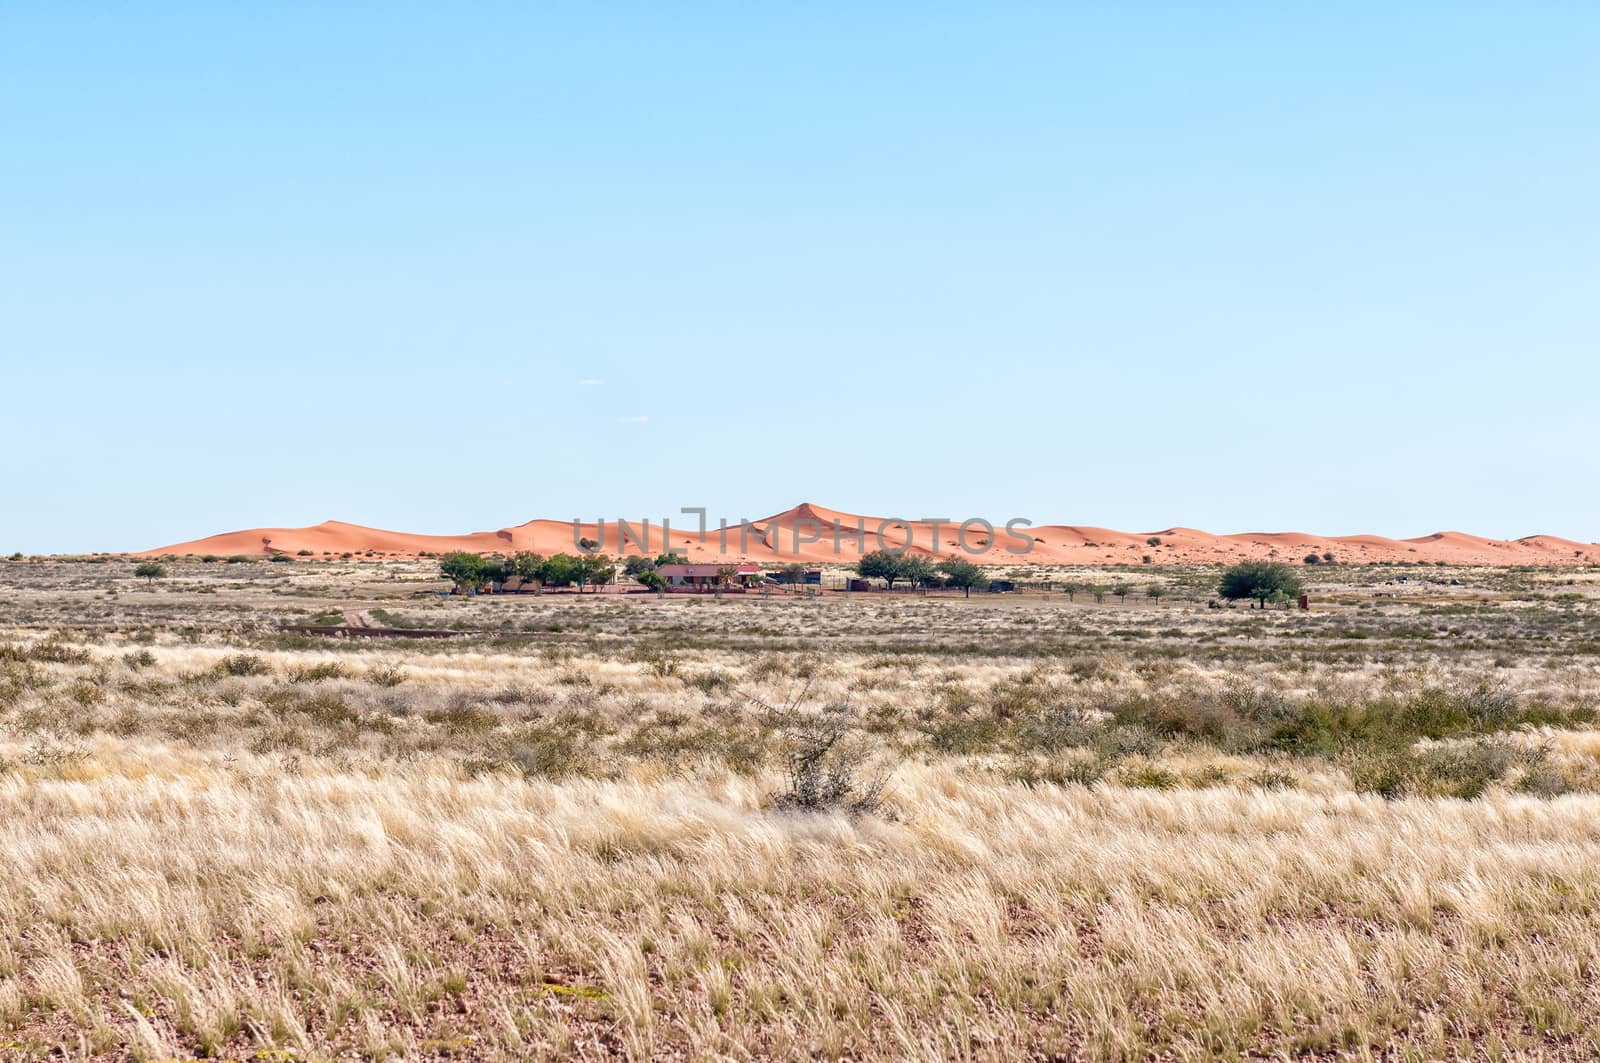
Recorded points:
(221, 843)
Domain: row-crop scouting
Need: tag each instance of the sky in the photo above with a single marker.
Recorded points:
(444, 268)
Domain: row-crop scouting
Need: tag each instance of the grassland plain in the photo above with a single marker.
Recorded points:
(890, 826)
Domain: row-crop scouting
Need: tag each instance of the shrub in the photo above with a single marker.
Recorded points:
(1149, 777)
(387, 676)
(241, 664)
(316, 673)
(138, 659)
(1380, 771)
(551, 751)
(823, 768)
(1272, 779)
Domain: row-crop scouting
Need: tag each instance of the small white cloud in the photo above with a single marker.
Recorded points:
(633, 420)
(590, 382)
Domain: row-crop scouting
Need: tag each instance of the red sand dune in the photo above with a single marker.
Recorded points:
(806, 533)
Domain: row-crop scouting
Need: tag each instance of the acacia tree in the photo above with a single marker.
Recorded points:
(1121, 590)
(914, 570)
(150, 571)
(464, 569)
(959, 572)
(880, 564)
(1260, 580)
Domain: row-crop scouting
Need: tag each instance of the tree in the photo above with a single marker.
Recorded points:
(793, 572)
(1260, 580)
(1154, 540)
(1121, 590)
(495, 570)
(880, 564)
(594, 568)
(914, 570)
(1155, 592)
(652, 579)
(637, 565)
(560, 570)
(528, 565)
(1313, 559)
(150, 571)
(464, 569)
(959, 572)
(671, 559)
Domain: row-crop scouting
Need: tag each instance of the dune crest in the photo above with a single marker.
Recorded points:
(807, 533)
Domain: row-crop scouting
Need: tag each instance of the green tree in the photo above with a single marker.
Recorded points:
(915, 570)
(150, 571)
(560, 570)
(652, 579)
(1121, 590)
(496, 569)
(1261, 580)
(595, 569)
(464, 569)
(637, 565)
(671, 559)
(1155, 592)
(880, 564)
(527, 564)
(959, 572)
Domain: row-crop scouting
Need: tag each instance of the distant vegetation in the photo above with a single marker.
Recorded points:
(1262, 581)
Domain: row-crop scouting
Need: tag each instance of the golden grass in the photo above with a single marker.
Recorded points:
(169, 904)
(216, 845)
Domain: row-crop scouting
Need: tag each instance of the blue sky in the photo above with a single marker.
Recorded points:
(449, 267)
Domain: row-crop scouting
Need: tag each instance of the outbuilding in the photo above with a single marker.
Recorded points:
(742, 574)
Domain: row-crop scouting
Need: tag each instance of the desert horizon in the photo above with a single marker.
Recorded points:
(812, 534)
